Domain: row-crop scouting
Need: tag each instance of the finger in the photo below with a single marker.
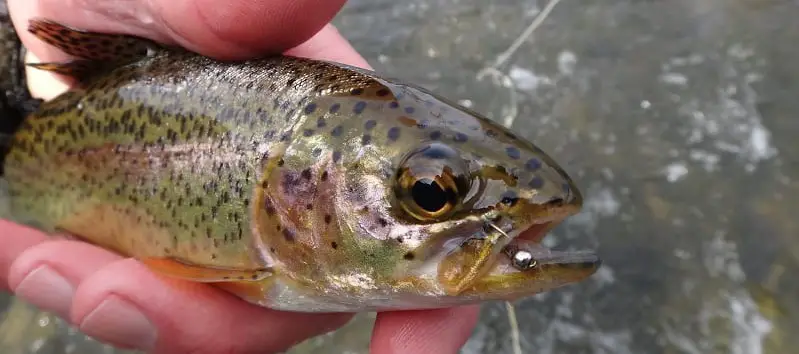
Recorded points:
(47, 273)
(220, 323)
(237, 29)
(430, 331)
(119, 301)
(15, 239)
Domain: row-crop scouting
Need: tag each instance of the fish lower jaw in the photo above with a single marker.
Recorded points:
(548, 269)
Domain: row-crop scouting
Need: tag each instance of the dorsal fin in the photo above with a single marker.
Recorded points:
(97, 52)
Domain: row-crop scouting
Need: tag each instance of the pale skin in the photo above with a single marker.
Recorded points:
(119, 301)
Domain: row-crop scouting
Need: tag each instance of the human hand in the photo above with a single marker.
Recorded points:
(118, 300)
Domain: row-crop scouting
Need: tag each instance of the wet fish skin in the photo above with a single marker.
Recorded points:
(295, 184)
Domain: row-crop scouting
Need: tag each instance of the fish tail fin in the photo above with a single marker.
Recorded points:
(96, 52)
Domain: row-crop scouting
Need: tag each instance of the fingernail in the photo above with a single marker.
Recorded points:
(119, 322)
(46, 289)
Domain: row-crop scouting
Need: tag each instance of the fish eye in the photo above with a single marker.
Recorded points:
(431, 195)
(432, 182)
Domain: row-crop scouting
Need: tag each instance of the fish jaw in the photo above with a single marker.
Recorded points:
(500, 278)
(551, 269)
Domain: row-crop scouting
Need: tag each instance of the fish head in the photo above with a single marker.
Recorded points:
(445, 206)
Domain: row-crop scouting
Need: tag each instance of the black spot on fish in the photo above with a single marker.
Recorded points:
(288, 235)
(321, 123)
(393, 104)
(280, 162)
(536, 182)
(359, 107)
(306, 173)
(366, 139)
(409, 110)
(435, 135)
(370, 124)
(409, 256)
(335, 107)
(393, 133)
(460, 137)
(513, 152)
(491, 133)
(382, 222)
(337, 131)
(310, 108)
(334, 244)
(356, 91)
(307, 132)
(532, 164)
(336, 156)
(324, 176)
(309, 206)
(382, 92)
(328, 218)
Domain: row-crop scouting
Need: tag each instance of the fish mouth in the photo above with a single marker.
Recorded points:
(524, 267)
(536, 232)
(547, 269)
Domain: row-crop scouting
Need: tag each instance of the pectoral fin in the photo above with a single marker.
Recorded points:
(203, 274)
(250, 291)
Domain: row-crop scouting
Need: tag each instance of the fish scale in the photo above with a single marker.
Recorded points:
(294, 183)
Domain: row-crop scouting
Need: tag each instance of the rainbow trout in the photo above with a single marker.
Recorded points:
(295, 184)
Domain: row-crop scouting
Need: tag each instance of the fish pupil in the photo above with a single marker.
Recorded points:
(429, 195)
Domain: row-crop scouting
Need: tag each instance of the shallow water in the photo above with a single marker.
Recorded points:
(666, 113)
